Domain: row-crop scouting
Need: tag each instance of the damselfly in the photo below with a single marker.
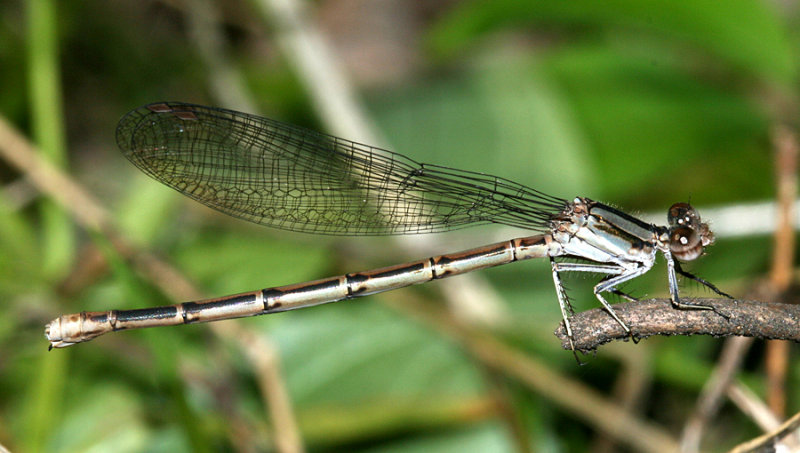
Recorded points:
(292, 178)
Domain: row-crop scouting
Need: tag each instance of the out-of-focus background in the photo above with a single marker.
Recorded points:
(638, 104)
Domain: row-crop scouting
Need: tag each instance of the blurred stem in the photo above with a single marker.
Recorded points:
(312, 57)
(786, 154)
(43, 408)
(47, 125)
(164, 346)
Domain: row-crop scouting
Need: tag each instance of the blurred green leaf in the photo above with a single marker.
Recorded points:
(482, 438)
(652, 123)
(744, 34)
(21, 258)
(47, 124)
(246, 259)
(113, 420)
(505, 119)
(367, 352)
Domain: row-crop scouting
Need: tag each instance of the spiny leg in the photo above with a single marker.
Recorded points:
(623, 295)
(617, 275)
(566, 307)
(703, 282)
(673, 288)
(672, 267)
(609, 284)
(620, 293)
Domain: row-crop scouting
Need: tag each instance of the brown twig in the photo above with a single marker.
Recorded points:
(785, 144)
(228, 86)
(657, 317)
(768, 440)
(630, 390)
(752, 405)
(570, 395)
(777, 359)
(713, 392)
(90, 214)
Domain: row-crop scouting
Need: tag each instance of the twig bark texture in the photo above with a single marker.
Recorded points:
(747, 318)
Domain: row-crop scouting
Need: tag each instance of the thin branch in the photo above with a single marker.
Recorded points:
(714, 389)
(786, 156)
(785, 144)
(226, 82)
(315, 63)
(657, 317)
(632, 386)
(767, 441)
(570, 395)
(19, 152)
(753, 406)
(336, 101)
(91, 215)
(272, 383)
(228, 85)
(777, 354)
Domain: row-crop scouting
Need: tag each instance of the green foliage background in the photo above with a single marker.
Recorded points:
(641, 104)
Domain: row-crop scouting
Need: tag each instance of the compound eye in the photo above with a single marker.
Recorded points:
(685, 244)
(683, 215)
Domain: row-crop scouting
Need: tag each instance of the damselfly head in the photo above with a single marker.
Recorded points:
(688, 236)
